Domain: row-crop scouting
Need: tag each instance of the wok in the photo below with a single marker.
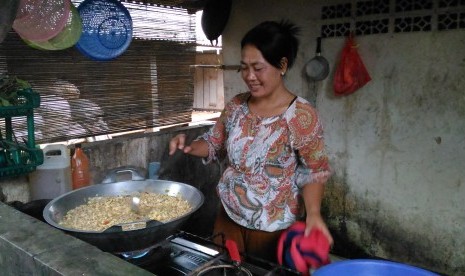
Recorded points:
(214, 18)
(125, 237)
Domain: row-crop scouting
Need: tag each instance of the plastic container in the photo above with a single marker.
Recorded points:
(53, 177)
(80, 168)
(154, 167)
(367, 267)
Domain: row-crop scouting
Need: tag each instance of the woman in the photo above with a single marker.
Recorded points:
(274, 143)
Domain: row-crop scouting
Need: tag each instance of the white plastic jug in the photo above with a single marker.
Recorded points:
(53, 177)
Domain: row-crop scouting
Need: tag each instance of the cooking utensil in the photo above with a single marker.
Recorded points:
(106, 29)
(317, 68)
(215, 16)
(135, 207)
(135, 202)
(40, 20)
(129, 236)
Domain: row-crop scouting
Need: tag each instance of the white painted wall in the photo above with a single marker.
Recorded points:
(397, 145)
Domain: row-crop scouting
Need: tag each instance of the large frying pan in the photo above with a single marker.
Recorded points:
(130, 236)
(215, 16)
(317, 68)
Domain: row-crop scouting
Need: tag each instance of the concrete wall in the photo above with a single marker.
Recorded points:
(397, 145)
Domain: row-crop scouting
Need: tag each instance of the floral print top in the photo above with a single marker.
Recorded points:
(270, 159)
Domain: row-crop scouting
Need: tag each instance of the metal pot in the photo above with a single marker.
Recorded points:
(129, 236)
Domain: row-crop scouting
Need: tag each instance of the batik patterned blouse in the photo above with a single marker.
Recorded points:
(270, 160)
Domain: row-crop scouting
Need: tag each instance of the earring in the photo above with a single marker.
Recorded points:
(282, 73)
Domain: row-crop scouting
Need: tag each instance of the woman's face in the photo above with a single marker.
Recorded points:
(261, 78)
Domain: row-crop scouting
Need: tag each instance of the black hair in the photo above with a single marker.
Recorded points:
(274, 40)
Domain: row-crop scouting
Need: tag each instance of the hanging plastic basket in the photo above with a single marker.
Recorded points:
(67, 38)
(106, 29)
(41, 20)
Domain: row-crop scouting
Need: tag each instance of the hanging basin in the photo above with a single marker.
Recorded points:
(106, 29)
(41, 20)
(67, 38)
(367, 267)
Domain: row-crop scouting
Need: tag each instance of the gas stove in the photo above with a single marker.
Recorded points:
(187, 254)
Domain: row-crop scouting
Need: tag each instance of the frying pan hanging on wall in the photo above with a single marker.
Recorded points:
(214, 18)
(317, 68)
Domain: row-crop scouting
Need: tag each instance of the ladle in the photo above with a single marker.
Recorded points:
(135, 203)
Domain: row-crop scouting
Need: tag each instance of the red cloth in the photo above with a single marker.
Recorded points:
(302, 253)
(351, 73)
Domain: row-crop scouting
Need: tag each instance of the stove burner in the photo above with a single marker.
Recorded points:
(185, 254)
(225, 269)
(135, 254)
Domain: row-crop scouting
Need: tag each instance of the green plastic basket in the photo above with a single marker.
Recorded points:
(19, 158)
(28, 99)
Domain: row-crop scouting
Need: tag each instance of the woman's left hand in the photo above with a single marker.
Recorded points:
(315, 220)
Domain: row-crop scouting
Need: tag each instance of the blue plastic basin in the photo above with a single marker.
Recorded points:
(366, 267)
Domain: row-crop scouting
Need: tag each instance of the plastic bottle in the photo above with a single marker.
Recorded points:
(80, 168)
(53, 177)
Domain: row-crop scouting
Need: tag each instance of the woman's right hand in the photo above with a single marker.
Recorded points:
(179, 142)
